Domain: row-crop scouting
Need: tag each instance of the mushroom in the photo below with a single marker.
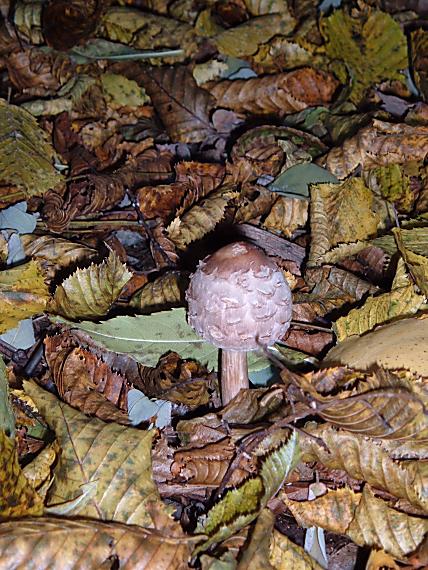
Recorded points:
(238, 301)
(401, 344)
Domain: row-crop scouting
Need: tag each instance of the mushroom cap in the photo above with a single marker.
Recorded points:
(401, 344)
(239, 299)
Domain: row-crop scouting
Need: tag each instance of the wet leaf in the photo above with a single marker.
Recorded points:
(23, 293)
(373, 48)
(119, 461)
(30, 172)
(91, 292)
(17, 496)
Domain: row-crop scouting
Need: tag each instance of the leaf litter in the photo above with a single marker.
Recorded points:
(136, 139)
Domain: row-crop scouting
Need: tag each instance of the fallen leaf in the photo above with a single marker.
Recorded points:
(91, 292)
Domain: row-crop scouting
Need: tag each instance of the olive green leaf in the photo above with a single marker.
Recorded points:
(91, 292)
(7, 418)
(371, 48)
(242, 505)
(26, 157)
(115, 457)
(166, 291)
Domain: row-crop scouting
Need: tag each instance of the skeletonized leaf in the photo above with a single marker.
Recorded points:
(23, 293)
(377, 310)
(340, 213)
(364, 458)
(240, 506)
(276, 94)
(26, 162)
(199, 220)
(368, 521)
(17, 496)
(373, 48)
(90, 292)
(116, 457)
(378, 144)
(33, 542)
(165, 291)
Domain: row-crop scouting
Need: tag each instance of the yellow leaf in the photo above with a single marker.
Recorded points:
(17, 496)
(23, 293)
(340, 213)
(90, 292)
(116, 457)
(26, 157)
(286, 555)
(378, 310)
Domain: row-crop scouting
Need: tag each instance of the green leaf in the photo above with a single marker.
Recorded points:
(147, 337)
(372, 49)
(99, 48)
(242, 505)
(295, 181)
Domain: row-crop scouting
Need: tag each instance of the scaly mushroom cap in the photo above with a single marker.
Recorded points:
(239, 299)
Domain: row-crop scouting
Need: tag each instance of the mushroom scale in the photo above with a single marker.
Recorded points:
(238, 299)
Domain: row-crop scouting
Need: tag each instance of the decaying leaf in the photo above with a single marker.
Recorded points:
(91, 292)
(416, 264)
(27, 157)
(23, 293)
(373, 48)
(275, 94)
(340, 213)
(286, 215)
(34, 541)
(38, 471)
(165, 291)
(17, 496)
(115, 458)
(240, 506)
(367, 520)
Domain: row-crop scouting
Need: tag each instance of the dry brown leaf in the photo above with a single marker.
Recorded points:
(162, 200)
(254, 201)
(165, 291)
(199, 220)
(275, 94)
(340, 213)
(34, 542)
(379, 144)
(364, 459)
(287, 215)
(183, 106)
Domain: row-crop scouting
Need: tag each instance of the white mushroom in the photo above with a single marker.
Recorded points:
(238, 301)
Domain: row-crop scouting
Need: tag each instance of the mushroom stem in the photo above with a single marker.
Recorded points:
(234, 374)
